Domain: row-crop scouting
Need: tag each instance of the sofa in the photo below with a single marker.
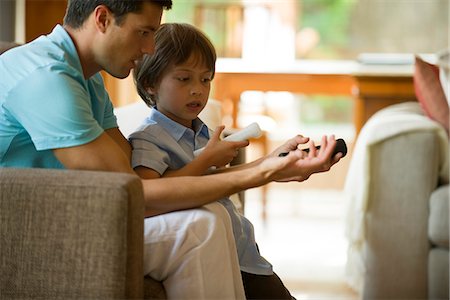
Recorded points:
(398, 207)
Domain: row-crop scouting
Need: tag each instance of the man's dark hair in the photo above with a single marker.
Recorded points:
(79, 10)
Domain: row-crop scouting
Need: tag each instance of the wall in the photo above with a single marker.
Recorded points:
(42, 16)
(7, 19)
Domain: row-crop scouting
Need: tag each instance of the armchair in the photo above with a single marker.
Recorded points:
(398, 217)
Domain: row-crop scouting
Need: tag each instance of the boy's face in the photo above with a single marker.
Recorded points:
(123, 45)
(183, 91)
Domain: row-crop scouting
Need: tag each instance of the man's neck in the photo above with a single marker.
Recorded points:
(82, 40)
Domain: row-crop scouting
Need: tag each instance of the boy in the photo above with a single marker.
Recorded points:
(175, 83)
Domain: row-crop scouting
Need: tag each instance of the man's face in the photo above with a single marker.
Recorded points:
(127, 43)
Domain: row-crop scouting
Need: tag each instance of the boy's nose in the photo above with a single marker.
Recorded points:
(196, 92)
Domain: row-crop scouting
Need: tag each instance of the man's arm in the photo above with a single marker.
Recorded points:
(169, 194)
(108, 152)
(123, 143)
(102, 154)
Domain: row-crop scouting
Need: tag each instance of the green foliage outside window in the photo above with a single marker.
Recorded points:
(331, 19)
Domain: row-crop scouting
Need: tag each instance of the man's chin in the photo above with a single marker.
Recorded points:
(120, 75)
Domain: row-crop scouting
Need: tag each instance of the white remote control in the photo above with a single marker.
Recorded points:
(251, 131)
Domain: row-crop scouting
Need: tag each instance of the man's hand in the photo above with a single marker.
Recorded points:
(299, 165)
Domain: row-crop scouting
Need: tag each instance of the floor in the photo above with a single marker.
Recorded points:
(303, 237)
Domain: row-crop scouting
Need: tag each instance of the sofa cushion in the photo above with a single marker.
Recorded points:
(153, 289)
(438, 231)
(438, 274)
(430, 93)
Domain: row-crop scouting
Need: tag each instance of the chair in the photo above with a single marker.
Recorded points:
(398, 221)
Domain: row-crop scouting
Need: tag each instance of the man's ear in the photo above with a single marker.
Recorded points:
(103, 17)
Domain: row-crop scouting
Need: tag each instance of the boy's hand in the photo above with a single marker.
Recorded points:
(220, 153)
(291, 145)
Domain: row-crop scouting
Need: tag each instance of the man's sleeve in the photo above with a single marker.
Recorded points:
(108, 119)
(55, 109)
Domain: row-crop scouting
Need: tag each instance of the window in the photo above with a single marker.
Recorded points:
(318, 29)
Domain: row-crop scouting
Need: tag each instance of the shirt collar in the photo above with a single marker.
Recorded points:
(176, 130)
(61, 37)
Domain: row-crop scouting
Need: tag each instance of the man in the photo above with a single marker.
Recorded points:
(55, 113)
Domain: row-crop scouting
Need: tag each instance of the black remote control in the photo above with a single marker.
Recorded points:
(340, 147)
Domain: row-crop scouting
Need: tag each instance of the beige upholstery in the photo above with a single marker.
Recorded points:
(70, 234)
(4, 46)
(404, 240)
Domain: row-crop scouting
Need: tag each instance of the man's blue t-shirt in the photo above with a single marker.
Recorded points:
(46, 103)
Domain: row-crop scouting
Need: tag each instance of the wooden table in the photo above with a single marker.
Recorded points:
(235, 76)
(372, 87)
(380, 86)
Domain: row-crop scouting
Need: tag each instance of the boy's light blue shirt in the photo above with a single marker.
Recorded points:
(161, 144)
(46, 103)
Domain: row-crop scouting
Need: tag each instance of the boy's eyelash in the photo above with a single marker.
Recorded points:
(208, 79)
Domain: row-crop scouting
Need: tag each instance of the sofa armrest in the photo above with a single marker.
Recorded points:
(396, 222)
(398, 160)
(70, 234)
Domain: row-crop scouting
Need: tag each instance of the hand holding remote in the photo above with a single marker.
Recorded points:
(251, 131)
(341, 147)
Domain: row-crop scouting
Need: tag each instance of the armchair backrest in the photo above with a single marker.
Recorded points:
(4, 46)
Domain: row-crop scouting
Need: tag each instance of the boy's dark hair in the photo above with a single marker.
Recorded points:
(79, 10)
(174, 45)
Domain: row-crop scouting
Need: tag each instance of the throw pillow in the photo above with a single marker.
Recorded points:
(444, 72)
(430, 93)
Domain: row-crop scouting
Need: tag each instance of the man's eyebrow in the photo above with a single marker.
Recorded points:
(149, 27)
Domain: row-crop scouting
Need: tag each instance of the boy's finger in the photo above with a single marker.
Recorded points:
(218, 132)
